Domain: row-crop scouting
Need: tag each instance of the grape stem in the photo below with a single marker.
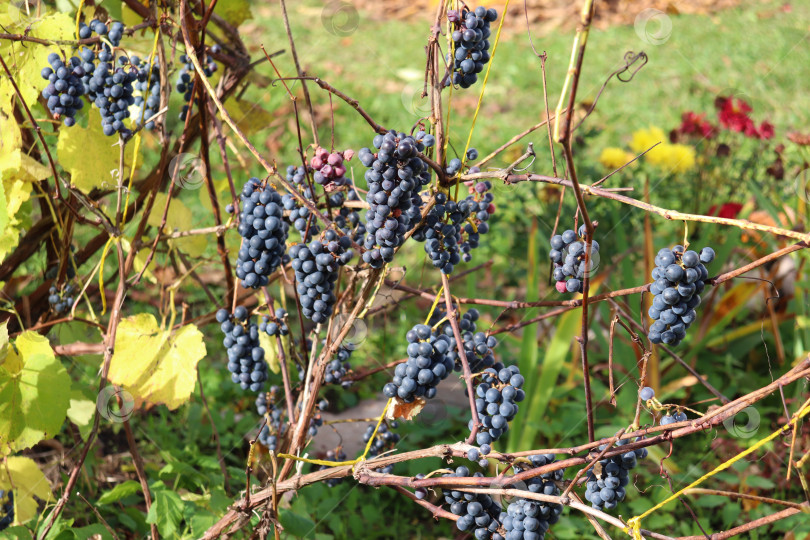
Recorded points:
(452, 317)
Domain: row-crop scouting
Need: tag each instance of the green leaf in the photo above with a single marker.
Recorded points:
(166, 512)
(759, 482)
(528, 346)
(296, 524)
(95, 531)
(556, 353)
(34, 394)
(28, 482)
(155, 365)
(121, 491)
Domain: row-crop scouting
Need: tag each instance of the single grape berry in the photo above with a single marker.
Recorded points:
(646, 393)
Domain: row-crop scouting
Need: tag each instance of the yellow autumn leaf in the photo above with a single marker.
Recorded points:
(32, 170)
(77, 143)
(3, 342)
(81, 409)
(34, 393)
(26, 63)
(154, 365)
(234, 11)
(179, 218)
(29, 482)
(13, 194)
(249, 117)
(10, 140)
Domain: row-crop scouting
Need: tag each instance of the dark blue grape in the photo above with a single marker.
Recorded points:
(470, 33)
(606, 489)
(395, 177)
(245, 356)
(264, 234)
(680, 276)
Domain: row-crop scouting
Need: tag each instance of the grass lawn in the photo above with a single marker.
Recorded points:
(758, 52)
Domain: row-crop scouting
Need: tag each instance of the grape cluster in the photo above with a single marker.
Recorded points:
(114, 93)
(328, 167)
(606, 482)
(338, 368)
(452, 229)
(316, 271)
(65, 88)
(299, 217)
(277, 325)
(496, 399)
(477, 345)
(336, 455)
(61, 301)
(348, 219)
(245, 355)
(470, 43)
(568, 255)
(680, 276)
(266, 407)
(395, 177)
(6, 509)
(529, 519)
(147, 85)
(384, 440)
(264, 234)
(479, 512)
(427, 365)
(185, 77)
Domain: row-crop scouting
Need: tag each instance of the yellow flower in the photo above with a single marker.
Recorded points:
(612, 158)
(645, 138)
(672, 158)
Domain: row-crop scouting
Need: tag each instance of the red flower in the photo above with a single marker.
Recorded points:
(696, 124)
(733, 115)
(727, 210)
(765, 130)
